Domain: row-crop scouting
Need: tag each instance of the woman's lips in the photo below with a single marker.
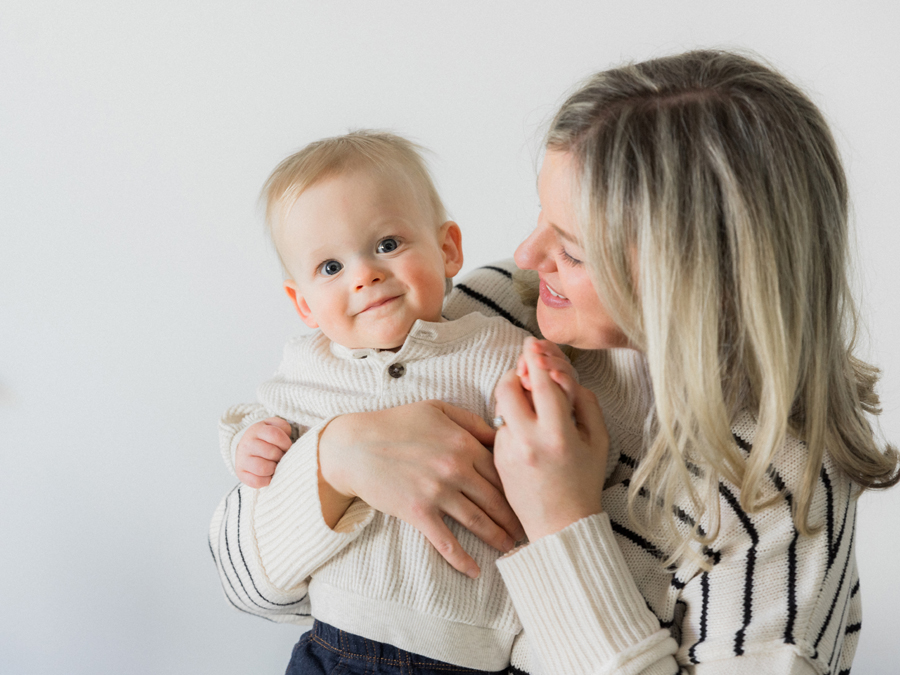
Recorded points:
(551, 298)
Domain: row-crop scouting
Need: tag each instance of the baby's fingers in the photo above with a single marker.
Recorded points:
(566, 383)
(251, 480)
(544, 347)
(277, 434)
(522, 372)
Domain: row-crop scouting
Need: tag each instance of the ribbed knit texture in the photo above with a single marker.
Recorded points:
(595, 597)
(390, 585)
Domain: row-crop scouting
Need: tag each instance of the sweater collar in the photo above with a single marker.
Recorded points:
(422, 332)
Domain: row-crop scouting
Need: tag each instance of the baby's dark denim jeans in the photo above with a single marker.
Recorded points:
(325, 650)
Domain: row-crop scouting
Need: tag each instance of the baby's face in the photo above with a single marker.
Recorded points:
(365, 262)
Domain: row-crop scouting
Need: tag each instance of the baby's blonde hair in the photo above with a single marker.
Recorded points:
(389, 157)
(714, 211)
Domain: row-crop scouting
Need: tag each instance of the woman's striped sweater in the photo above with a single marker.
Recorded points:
(597, 598)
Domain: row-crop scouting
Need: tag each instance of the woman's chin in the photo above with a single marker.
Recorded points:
(550, 329)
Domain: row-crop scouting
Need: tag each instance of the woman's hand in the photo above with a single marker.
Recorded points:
(551, 455)
(420, 462)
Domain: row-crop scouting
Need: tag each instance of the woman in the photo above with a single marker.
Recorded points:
(692, 247)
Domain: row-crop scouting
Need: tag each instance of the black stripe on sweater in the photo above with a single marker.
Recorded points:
(247, 567)
(779, 484)
(853, 628)
(855, 589)
(502, 271)
(637, 539)
(684, 518)
(704, 616)
(751, 566)
(829, 519)
(838, 643)
(839, 589)
(791, 590)
(833, 552)
(490, 304)
(225, 591)
(227, 556)
(628, 461)
(233, 568)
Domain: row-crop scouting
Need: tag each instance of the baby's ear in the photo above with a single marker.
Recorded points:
(290, 287)
(450, 239)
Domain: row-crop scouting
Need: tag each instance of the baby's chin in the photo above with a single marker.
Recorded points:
(385, 343)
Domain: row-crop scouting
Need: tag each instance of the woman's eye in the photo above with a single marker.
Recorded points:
(574, 262)
(387, 245)
(330, 267)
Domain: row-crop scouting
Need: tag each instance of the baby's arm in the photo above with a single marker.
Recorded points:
(259, 450)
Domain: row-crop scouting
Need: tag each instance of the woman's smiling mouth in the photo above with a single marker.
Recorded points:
(551, 298)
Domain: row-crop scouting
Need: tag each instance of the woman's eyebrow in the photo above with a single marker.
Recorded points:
(565, 235)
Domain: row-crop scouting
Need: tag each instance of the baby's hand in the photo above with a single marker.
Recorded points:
(551, 359)
(260, 449)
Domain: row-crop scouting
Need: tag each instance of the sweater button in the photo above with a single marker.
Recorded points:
(396, 370)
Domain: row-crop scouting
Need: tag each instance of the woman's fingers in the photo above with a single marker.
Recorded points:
(420, 462)
(588, 413)
(486, 512)
(512, 402)
(464, 509)
(469, 421)
(435, 530)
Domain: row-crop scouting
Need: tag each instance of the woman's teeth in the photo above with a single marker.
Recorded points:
(554, 293)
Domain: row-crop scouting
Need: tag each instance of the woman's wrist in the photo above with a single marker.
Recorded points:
(558, 520)
(333, 496)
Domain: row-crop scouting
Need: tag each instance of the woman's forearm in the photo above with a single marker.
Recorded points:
(334, 503)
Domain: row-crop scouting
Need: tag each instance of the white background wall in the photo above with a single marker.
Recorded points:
(139, 297)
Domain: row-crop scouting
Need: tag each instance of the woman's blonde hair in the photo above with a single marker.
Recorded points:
(714, 213)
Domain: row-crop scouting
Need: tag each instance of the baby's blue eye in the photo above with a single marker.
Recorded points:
(387, 245)
(331, 267)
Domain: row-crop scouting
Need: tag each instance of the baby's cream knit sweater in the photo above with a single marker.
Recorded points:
(375, 575)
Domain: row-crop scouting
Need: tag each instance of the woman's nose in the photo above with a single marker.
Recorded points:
(534, 253)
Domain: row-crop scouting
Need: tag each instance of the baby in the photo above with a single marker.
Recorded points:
(368, 253)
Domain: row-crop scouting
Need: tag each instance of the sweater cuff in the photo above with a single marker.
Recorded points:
(291, 533)
(580, 605)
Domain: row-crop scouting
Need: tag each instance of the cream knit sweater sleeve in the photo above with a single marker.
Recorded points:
(241, 520)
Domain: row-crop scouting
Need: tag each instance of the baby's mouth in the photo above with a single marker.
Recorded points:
(379, 303)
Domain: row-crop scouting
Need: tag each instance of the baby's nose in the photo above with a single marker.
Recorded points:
(366, 275)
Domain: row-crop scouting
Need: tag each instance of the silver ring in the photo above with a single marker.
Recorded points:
(499, 421)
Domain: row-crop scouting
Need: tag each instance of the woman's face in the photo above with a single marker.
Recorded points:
(569, 310)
